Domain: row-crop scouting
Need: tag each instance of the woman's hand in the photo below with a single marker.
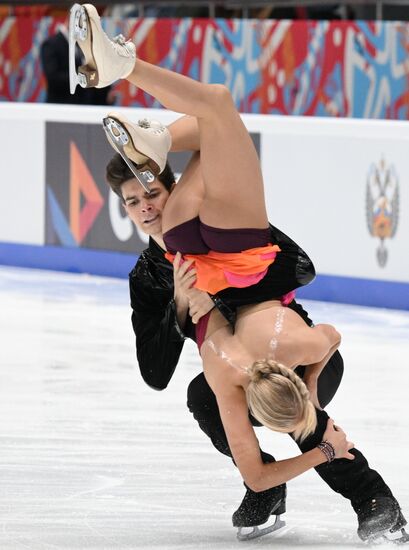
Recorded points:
(338, 439)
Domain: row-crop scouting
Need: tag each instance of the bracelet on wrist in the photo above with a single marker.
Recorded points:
(328, 449)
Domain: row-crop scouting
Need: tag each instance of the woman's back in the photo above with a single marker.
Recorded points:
(271, 331)
(262, 331)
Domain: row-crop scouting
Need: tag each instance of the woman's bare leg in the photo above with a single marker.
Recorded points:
(186, 198)
(233, 185)
(185, 134)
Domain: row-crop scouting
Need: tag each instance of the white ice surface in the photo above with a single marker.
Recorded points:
(91, 457)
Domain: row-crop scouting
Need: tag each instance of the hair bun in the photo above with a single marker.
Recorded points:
(263, 369)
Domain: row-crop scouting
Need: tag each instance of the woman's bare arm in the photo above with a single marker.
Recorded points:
(243, 443)
(245, 448)
(313, 345)
(325, 335)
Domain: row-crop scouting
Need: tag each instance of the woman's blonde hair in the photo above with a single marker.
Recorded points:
(279, 399)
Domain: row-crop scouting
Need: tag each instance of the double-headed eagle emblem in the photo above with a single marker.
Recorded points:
(382, 205)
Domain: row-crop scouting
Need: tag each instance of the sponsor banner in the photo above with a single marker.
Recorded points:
(81, 210)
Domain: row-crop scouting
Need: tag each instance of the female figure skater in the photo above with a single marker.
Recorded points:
(252, 366)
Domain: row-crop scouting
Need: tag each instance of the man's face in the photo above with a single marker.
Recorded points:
(145, 209)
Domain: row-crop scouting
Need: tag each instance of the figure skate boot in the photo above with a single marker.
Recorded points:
(259, 513)
(106, 60)
(143, 146)
(381, 518)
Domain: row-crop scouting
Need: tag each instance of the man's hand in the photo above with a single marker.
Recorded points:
(184, 276)
(200, 303)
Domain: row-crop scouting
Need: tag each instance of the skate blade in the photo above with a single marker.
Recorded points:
(399, 537)
(249, 533)
(119, 138)
(80, 32)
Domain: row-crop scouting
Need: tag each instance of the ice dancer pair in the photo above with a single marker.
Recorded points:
(376, 515)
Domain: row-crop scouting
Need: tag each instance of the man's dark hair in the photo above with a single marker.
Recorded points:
(117, 173)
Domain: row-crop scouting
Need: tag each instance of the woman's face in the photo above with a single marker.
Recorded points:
(145, 209)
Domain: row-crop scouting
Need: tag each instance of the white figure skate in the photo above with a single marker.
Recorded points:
(105, 60)
(145, 144)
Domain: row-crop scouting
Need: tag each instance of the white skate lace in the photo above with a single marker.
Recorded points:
(154, 125)
(144, 123)
(121, 45)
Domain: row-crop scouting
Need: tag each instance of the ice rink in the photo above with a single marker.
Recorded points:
(93, 458)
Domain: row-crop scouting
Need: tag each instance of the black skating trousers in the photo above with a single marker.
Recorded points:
(353, 479)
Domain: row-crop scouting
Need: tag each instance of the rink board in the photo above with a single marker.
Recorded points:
(338, 187)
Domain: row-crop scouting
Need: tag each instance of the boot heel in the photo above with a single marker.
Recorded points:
(400, 522)
(281, 508)
(89, 76)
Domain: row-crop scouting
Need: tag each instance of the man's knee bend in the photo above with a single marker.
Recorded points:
(200, 398)
(266, 458)
(330, 379)
(336, 363)
(314, 439)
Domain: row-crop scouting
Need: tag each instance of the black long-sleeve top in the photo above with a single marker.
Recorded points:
(159, 339)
